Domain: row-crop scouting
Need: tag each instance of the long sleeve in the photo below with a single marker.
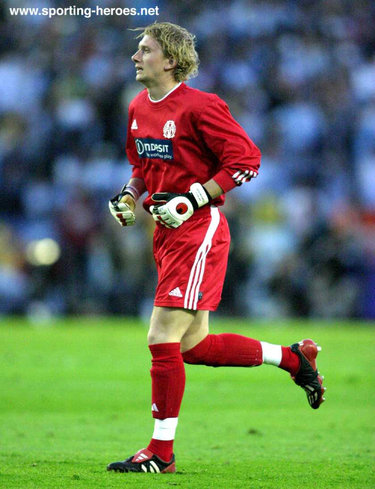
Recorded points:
(131, 150)
(223, 135)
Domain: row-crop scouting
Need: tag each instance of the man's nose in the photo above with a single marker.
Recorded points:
(135, 56)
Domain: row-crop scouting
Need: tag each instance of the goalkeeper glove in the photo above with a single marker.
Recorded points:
(174, 209)
(121, 211)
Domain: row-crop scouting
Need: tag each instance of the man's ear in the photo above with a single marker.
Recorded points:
(171, 64)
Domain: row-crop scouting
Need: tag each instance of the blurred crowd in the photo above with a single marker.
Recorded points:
(300, 78)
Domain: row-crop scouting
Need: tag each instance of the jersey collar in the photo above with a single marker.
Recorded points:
(165, 96)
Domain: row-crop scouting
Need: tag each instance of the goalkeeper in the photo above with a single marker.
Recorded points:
(187, 151)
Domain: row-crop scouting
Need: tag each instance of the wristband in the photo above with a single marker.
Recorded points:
(200, 194)
(132, 191)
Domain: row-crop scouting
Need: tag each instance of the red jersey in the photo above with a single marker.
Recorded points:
(186, 137)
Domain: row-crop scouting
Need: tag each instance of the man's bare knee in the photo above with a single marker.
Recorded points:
(168, 325)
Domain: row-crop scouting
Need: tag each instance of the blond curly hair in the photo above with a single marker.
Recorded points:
(177, 43)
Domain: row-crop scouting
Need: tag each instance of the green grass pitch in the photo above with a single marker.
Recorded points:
(75, 396)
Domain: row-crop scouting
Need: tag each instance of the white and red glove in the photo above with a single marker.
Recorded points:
(172, 209)
(121, 211)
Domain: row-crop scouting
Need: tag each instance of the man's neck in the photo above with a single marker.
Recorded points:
(157, 92)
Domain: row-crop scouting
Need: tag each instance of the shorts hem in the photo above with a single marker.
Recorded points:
(199, 307)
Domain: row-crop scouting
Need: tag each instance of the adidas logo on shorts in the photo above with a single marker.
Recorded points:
(176, 292)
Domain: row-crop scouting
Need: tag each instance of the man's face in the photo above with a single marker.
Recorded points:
(150, 62)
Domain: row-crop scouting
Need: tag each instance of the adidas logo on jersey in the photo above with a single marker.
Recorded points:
(154, 408)
(176, 292)
(134, 124)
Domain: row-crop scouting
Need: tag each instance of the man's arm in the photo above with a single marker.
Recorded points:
(213, 189)
(239, 157)
(172, 209)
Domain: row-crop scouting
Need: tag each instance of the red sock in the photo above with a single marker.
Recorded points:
(163, 449)
(289, 360)
(225, 350)
(168, 384)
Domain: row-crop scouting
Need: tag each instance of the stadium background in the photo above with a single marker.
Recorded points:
(298, 75)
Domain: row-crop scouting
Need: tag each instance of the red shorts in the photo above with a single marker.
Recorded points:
(192, 261)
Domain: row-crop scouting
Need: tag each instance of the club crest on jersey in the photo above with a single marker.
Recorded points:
(169, 130)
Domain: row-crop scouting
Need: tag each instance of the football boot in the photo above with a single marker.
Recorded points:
(144, 461)
(308, 376)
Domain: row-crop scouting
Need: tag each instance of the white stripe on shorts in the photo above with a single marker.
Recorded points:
(197, 271)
